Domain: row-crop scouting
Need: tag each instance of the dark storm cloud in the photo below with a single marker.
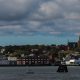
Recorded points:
(15, 9)
(31, 17)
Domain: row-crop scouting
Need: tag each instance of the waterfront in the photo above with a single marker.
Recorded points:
(40, 73)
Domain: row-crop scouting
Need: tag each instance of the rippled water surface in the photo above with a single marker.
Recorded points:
(38, 73)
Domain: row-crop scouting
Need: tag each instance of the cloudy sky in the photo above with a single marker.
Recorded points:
(39, 21)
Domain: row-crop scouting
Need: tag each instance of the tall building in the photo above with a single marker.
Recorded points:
(79, 42)
(72, 45)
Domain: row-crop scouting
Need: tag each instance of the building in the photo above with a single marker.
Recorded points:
(72, 45)
(4, 62)
(2, 50)
(33, 61)
(63, 47)
(79, 42)
(12, 61)
(71, 62)
(21, 61)
(12, 58)
(73, 59)
(78, 61)
(37, 60)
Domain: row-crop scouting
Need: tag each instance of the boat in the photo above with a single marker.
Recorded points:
(62, 67)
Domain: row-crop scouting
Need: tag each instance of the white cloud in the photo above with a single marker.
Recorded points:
(49, 9)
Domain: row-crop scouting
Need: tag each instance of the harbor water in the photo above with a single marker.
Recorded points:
(39, 73)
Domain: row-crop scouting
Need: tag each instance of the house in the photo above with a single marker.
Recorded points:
(4, 62)
(71, 62)
(73, 59)
(2, 50)
(3, 57)
(12, 60)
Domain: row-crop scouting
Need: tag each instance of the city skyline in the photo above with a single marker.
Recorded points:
(39, 21)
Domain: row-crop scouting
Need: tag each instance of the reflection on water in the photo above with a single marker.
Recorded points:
(38, 73)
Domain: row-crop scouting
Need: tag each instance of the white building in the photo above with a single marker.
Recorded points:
(12, 58)
(2, 50)
(31, 55)
(71, 62)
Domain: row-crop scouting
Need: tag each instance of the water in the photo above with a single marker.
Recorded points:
(40, 73)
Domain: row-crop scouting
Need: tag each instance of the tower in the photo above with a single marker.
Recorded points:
(79, 42)
(68, 45)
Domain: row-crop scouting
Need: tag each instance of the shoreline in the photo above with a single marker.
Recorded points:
(31, 65)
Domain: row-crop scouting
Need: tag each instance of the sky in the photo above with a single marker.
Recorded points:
(39, 21)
